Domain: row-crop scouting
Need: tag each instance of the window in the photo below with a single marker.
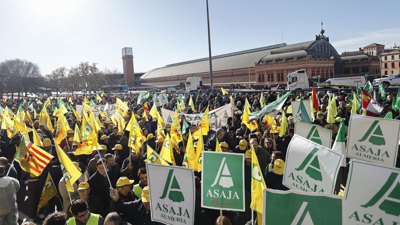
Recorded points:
(279, 77)
(386, 65)
(385, 57)
(272, 78)
(393, 66)
(259, 78)
(187, 84)
(292, 80)
(386, 73)
(392, 57)
(263, 78)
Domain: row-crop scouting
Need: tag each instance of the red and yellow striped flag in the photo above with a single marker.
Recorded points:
(32, 158)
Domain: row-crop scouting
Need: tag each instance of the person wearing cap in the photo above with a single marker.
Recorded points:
(151, 141)
(113, 138)
(212, 141)
(224, 147)
(274, 177)
(146, 124)
(9, 187)
(247, 170)
(274, 156)
(7, 166)
(68, 147)
(160, 142)
(48, 147)
(70, 134)
(99, 182)
(104, 141)
(119, 155)
(242, 132)
(140, 209)
(94, 203)
(82, 214)
(320, 119)
(242, 147)
(124, 186)
(109, 130)
(137, 188)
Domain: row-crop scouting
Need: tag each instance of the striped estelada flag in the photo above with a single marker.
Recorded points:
(32, 158)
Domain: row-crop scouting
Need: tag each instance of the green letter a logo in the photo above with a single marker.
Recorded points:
(376, 138)
(169, 120)
(388, 195)
(313, 135)
(302, 217)
(172, 188)
(312, 164)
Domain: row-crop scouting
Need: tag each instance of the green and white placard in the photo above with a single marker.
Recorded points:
(310, 167)
(301, 208)
(373, 139)
(314, 133)
(222, 185)
(372, 194)
(295, 109)
(172, 194)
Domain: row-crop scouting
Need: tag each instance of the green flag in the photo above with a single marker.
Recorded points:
(396, 101)
(388, 115)
(375, 97)
(185, 125)
(339, 145)
(166, 92)
(358, 89)
(369, 88)
(302, 113)
(139, 99)
(92, 102)
(146, 95)
(382, 92)
(60, 102)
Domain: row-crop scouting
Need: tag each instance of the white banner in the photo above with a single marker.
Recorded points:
(295, 109)
(218, 117)
(156, 100)
(372, 194)
(97, 108)
(373, 139)
(310, 167)
(314, 133)
(172, 194)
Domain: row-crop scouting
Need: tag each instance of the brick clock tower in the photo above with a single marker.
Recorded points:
(127, 61)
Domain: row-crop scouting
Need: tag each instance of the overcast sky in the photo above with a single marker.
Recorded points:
(54, 33)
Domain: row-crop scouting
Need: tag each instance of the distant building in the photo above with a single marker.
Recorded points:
(391, 61)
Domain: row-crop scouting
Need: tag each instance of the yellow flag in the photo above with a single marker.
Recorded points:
(78, 117)
(233, 103)
(289, 109)
(192, 104)
(190, 154)
(284, 125)
(355, 105)
(34, 114)
(98, 98)
(217, 147)
(61, 111)
(8, 125)
(145, 116)
(257, 184)
(262, 100)
(153, 157)
(69, 171)
(153, 111)
(36, 139)
(204, 125)
(121, 106)
(86, 147)
(49, 191)
(329, 116)
(29, 118)
(87, 130)
(183, 106)
(86, 108)
(199, 151)
(85, 100)
(77, 135)
(247, 105)
(167, 152)
(61, 129)
(252, 125)
(176, 129)
(224, 92)
(334, 107)
(160, 126)
(70, 101)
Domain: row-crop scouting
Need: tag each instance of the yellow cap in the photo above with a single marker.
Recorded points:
(70, 131)
(36, 121)
(224, 144)
(104, 137)
(120, 133)
(243, 145)
(124, 181)
(77, 165)
(117, 147)
(150, 136)
(47, 142)
(103, 147)
(126, 114)
(248, 154)
(279, 166)
(145, 194)
(83, 186)
(71, 139)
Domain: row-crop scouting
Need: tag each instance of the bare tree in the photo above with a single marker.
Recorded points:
(19, 74)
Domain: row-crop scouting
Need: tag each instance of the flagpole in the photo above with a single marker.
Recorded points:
(70, 199)
(108, 178)
(252, 217)
(11, 166)
(222, 218)
(56, 188)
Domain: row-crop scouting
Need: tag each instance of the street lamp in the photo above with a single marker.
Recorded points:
(209, 47)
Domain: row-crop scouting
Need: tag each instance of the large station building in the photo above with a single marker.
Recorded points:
(270, 65)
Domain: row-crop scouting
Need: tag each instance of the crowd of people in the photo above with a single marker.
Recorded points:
(113, 188)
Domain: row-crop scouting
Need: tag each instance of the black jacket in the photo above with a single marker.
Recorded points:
(100, 188)
(140, 216)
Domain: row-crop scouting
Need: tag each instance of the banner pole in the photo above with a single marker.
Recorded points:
(222, 218)
(252, 217)
(11, 166)
(70, 200)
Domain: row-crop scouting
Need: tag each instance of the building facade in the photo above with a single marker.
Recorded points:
(390, 61)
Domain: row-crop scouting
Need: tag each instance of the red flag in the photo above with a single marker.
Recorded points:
(314, 99)
(146, 108)
(365, 99)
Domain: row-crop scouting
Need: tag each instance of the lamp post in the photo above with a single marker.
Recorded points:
(209, 47)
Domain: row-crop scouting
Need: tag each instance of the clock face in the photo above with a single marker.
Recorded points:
(123, 51)
(128, 51)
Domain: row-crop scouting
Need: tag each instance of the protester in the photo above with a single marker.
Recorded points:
(9, 187)
(82, 215)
